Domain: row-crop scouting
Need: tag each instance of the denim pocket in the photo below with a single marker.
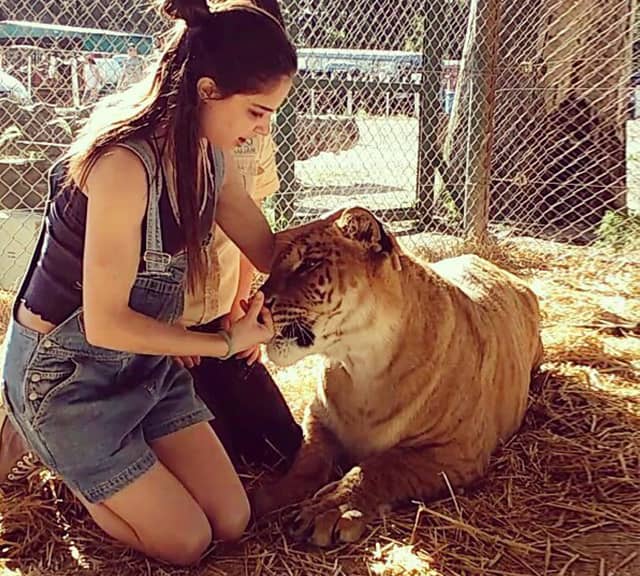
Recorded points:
(45, 375)
(19, 348)
(159, 299)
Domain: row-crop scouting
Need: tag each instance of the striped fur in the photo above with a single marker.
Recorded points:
(428, 370)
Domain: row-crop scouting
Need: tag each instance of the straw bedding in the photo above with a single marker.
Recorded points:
(561, 498)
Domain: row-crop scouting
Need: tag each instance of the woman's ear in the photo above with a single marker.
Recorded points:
(207, 89)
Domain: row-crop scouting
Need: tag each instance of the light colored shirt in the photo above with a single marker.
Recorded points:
(256, 161)
(92, 77)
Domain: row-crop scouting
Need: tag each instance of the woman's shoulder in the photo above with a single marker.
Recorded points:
(119, 169)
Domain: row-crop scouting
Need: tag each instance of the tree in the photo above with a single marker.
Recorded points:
(558, 141)
(375, 25)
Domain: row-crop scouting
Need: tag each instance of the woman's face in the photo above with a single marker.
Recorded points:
(228, 122)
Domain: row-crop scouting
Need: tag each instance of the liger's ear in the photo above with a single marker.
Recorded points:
(362, 226)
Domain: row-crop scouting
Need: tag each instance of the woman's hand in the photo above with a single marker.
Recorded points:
(253, 329)
(187, 361)
(238, 311)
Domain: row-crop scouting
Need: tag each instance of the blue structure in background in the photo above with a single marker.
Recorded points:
(18, 33)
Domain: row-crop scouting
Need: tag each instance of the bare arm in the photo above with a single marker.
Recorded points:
(245, 278)
(243, 221)
(117, 197)
(265, 183)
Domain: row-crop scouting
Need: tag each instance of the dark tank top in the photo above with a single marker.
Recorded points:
(53, 285)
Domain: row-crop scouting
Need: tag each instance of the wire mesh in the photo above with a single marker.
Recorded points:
(459, 117)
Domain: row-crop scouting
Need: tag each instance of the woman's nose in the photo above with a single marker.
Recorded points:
(262, 129)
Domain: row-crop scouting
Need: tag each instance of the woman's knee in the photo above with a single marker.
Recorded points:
(231, 525)
(182, 545)
(157, 517)
(185, 548)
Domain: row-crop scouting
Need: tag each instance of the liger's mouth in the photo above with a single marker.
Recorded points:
(299, 331)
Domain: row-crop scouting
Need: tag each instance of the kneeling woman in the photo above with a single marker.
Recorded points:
(88, 375)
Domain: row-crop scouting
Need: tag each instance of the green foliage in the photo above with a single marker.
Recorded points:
(619, 230)
(377, 24)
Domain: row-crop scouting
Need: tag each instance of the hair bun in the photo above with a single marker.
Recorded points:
(193, 12)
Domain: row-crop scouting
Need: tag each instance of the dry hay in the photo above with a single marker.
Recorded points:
(6, 298)
(561, 498)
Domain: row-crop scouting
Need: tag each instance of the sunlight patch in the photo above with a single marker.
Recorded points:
(397, 560)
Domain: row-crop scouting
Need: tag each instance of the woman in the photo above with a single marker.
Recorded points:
(88, 375)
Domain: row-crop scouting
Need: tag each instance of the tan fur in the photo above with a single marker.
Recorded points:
(429, 370)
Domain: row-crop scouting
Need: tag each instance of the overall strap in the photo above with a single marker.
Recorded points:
(154, 257)
(218, 170)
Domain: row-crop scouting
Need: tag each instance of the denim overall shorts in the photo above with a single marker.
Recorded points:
(90, 413)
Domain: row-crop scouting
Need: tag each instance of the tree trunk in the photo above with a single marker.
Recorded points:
(561, 106)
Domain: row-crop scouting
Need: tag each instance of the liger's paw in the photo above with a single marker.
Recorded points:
(331, 517)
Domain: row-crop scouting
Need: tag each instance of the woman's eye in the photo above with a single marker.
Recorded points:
(256, 115)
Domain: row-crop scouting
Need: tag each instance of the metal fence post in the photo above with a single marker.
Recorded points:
(285, 139)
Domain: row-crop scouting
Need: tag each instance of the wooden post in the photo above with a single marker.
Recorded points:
(435, 20)
(30, 75)
(482, 79)
(285, 140)
(75, 85)
(449, 181)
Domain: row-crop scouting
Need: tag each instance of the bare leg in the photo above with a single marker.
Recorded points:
(156, 516)
(197, 458)
(168, 513)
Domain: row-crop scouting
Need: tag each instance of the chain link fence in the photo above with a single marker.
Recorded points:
(457, 118)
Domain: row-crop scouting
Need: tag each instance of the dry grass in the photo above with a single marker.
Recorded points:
(562, 498)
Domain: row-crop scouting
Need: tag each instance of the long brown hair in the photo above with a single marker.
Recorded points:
(273, 8)
(243, 48)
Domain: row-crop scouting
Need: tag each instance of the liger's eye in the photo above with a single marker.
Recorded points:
(308, 265)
